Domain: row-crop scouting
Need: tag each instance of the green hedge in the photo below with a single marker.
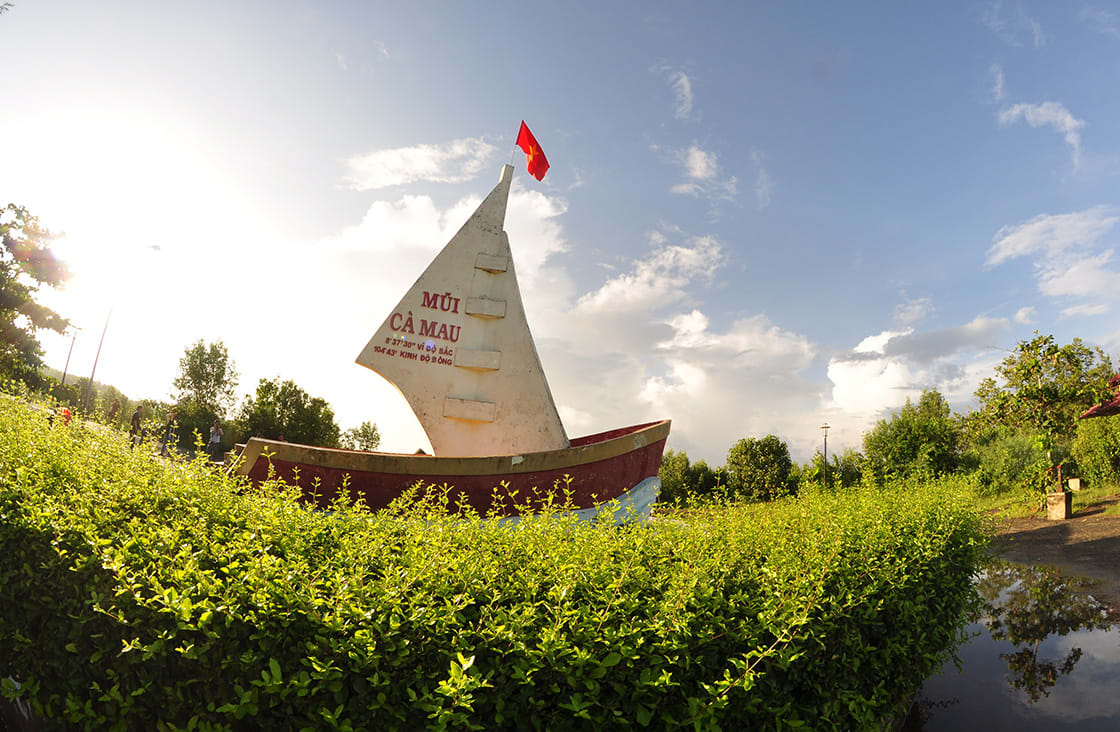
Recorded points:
(140, 594)
(1097, 450)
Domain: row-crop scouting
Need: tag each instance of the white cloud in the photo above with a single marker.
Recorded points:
(451, 162)
(1087, 276)
(744, 381)
(1085, 310)
(1036, 32)
(639, 346)
(681, 85)
(1026, 316)
(657, 280)
(864, 388)
(929, 346)
(1101, 20)
(1010, 27)
(682, 88)
(1052, 235)
(704, 175)
(579, 182)
(700, 164)
(886, 369)
(1048, 114)
(912, 311)
(1069, 258)
(999, 92)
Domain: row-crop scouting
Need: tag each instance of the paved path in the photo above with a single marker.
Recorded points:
(1087, 545)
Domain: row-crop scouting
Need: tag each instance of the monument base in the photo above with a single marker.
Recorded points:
(1059, 506)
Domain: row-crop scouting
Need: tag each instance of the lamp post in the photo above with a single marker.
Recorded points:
(68, 355)
(825, 428)
(89, 387)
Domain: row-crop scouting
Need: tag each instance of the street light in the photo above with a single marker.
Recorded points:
(825, 428)
(89, 387)
(68, 355)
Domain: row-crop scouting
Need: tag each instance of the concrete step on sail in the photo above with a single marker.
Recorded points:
(471, 410)
(484, 307)
(490, 263)
(469, 358)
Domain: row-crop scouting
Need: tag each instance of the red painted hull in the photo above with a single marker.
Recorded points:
(594, 469)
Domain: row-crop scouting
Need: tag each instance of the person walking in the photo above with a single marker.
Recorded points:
(215, 441)
(134, 434)
(169, 435)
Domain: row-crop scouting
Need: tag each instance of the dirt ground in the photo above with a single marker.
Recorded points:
(1086, 545)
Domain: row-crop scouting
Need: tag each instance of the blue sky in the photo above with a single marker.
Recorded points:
(758, 217)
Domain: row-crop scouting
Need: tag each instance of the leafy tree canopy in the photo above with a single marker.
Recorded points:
(760, 469)
(702, 480)
(365, 436)
(674, 476)
(26, 263)
(208, 377)
(1045, 387)
(283, 408)
(844, 470)
(919, 437)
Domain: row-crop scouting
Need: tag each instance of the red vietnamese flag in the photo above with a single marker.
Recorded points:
(538, 163)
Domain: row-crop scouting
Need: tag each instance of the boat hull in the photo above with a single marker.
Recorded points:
(617, 465)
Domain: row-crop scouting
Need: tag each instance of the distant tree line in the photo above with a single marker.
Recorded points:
(204, 392)
(1024, 433)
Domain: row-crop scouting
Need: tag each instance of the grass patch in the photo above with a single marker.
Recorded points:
(1020, 504)
(1026, 504)
(1107, 496)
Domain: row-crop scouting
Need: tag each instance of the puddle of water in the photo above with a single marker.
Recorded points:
(1041, 657)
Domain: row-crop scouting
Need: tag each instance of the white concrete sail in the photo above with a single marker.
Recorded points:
(458, 347)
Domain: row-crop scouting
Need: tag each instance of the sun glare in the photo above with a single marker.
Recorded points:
(141, 209)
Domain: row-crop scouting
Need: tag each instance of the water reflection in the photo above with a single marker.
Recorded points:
(1017, 670)
(1025, 606)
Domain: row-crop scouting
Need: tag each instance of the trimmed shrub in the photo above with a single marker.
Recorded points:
(145, 594)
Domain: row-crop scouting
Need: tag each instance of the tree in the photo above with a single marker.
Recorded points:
(206, 383)
(26, 264)
(1046, 387)
(1002, 458)
(283, 408)
(365, 436)
(207, 376)
(845, 469)
(922, 437)
(674, 476)
(760, 469)
(702, 480)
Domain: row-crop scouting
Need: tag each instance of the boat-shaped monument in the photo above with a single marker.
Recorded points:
(459, 349)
